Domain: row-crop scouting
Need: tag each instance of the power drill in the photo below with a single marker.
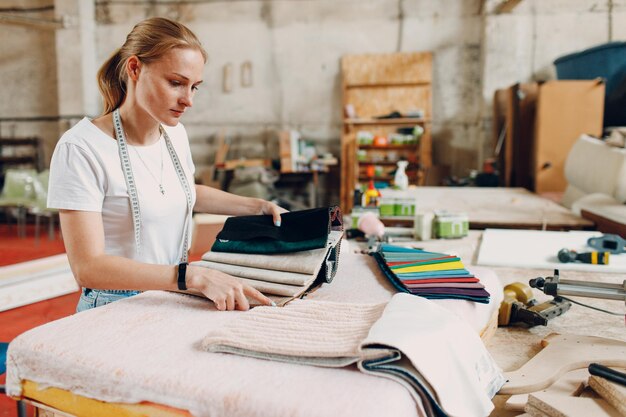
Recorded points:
(519, 306)
(597, 258)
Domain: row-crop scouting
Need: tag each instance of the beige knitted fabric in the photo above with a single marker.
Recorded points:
(273, 288)
(279, 277)
(305, 262)
(303, 329)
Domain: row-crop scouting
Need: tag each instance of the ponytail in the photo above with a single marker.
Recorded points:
(111, 82)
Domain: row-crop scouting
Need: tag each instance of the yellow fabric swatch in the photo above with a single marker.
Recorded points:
(432, 267)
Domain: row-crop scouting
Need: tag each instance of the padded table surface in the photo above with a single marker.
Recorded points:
(147, 348)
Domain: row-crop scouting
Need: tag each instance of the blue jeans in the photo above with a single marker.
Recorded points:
(90, 298)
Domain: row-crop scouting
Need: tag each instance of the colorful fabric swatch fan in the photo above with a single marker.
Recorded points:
(429, 274)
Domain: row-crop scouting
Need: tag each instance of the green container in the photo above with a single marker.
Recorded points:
(451, 226)
(387, 206)
(405, 207)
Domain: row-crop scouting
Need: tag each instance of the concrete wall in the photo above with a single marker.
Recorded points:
(295, 46)
(28, 76)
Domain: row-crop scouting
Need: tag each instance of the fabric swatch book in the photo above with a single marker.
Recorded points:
(282, 262)
(286, 275)
(300, 231)
(429, 274)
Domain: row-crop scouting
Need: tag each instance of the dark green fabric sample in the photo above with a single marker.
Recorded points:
(299, 231)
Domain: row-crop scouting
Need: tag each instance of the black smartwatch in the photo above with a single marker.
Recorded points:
(182, 272)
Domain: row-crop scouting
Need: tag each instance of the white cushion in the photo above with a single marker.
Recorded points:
(594, 167)
(571, 195)
(620, 188)
(603, 206)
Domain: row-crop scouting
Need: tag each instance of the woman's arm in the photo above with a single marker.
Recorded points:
(214, 201)
(83, 235)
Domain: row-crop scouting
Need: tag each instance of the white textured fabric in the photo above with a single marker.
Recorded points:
(446, 352)
(594, 167)
(571, 195)
(620, 189)
(601, 205)
(147, 348)
(86, 174)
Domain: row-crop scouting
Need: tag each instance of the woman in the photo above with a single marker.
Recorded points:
(123, 182)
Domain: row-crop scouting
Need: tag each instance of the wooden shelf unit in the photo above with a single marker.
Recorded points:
(412, 147)
(391, 122)
(376, 85)
(20, 153)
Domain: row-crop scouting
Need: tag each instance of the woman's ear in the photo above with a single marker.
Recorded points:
(133, 67)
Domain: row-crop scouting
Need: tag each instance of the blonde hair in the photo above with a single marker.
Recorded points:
(149, 40)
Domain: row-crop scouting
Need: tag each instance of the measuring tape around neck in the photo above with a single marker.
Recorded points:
(132, 186)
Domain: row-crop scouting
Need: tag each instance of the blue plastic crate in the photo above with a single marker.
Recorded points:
(607, 61)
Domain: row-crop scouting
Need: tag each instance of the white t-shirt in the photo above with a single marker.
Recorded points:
(86, 175)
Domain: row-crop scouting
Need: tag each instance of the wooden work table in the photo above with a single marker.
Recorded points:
(512, 347)
(510, 208)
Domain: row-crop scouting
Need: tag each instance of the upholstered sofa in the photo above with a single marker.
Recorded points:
(596, 175)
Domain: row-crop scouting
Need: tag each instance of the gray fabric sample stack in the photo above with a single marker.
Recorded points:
(286, 274)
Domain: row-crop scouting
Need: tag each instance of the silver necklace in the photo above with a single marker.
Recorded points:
(159, 182)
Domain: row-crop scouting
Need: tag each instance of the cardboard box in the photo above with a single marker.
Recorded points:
(536, 125)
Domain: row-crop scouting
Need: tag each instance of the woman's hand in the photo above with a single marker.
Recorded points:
(226, 291)
(267, 207)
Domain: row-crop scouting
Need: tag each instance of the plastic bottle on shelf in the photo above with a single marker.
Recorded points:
(401, 180)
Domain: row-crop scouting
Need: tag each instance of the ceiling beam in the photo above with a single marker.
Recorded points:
(507, 6)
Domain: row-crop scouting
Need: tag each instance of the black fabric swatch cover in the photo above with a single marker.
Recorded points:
(299, 230)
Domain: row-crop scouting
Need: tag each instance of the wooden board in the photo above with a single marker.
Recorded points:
(394, 68)
(570, 384)
(60, 402)
(563, 353)
(555, 405)
(373, 101)
(613, 393)
(605, 225)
